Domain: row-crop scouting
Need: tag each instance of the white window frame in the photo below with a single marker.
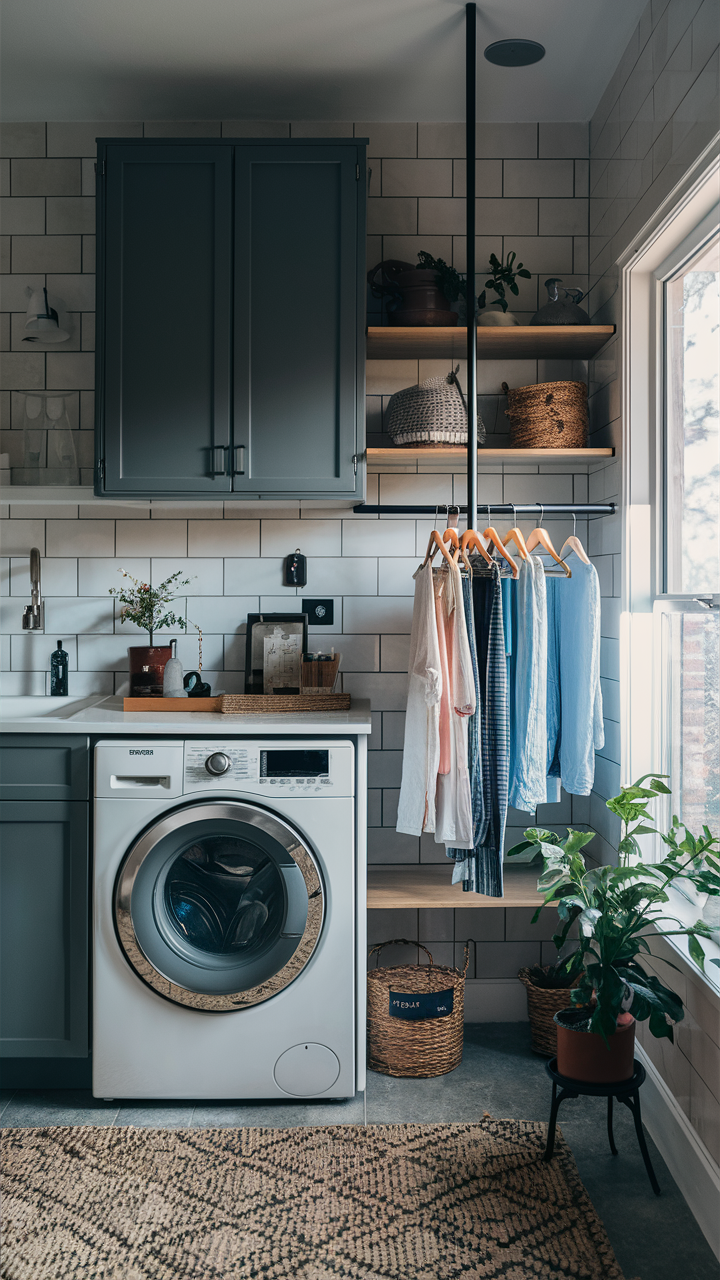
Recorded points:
(688, 217)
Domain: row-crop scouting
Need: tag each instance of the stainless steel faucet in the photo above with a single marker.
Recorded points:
(33, 618)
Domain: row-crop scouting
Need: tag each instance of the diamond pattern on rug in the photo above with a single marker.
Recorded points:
(382, 1202)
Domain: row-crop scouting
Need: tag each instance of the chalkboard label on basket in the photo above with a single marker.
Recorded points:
(415, 1006)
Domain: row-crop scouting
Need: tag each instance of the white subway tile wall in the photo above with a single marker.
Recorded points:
(657, 115)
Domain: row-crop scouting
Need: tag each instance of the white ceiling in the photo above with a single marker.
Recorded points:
(302, 59)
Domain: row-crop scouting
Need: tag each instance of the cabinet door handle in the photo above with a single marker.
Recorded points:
(239, 464)
(219, 466)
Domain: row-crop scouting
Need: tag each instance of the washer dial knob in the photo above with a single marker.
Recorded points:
(218, 763)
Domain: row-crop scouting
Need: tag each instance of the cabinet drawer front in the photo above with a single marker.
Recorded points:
(44, 881)
(39, 767)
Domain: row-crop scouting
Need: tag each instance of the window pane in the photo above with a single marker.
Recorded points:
(694, 731)
(692, 323)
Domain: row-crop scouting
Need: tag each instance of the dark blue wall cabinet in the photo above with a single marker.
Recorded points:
(230, 355)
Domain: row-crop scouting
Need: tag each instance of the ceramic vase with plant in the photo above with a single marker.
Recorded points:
(147, 607)
(619, 910)
(503, 275)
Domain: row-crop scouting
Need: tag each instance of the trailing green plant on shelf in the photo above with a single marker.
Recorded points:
(619, 909)
(502, 275)
(447, 278)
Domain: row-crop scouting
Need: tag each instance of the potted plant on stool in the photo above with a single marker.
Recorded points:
(146, 606)
(619, 909)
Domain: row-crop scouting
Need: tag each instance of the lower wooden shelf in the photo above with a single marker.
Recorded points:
(431, 886)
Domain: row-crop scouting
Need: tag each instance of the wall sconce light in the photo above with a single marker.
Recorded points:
(46, 319)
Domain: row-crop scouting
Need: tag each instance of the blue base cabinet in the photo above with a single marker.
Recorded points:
(231, 318)
(44, 908)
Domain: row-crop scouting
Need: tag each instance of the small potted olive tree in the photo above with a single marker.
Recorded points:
(147, 607)
(619, 910)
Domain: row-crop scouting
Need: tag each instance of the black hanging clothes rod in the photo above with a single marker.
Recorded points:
(583, 510)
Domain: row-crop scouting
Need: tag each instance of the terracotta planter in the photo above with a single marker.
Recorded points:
(147, 667)
(584, 1055)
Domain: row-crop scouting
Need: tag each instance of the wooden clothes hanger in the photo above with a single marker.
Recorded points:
(471, 541)
(541, 538)
(516, 536)
(491, 535)
(435, 544)
(574, 544)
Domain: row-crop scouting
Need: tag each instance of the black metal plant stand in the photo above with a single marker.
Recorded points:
(626, 1091)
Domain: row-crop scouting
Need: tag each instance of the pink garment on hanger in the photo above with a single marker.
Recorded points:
(443, 625)
(453, 801)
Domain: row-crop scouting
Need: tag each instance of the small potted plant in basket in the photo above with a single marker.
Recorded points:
(147, 607)
(618, 910)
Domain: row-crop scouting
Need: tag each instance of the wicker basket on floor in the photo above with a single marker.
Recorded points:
(421, 1047)
(543, 1003)
(548, 415)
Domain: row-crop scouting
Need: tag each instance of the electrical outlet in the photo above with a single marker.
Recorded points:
(320, 613)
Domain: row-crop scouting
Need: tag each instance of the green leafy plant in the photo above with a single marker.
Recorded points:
(619, 909)
(502, 275)
(146, 606)
(551, 977)
(447, 278)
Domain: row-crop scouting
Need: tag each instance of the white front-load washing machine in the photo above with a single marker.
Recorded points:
(224, 919)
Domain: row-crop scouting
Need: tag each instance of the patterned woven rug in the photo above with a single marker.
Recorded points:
(386, 1202)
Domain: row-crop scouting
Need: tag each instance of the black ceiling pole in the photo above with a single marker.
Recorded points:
(470, 113)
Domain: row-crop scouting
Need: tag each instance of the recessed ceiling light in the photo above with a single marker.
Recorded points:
(514, 53)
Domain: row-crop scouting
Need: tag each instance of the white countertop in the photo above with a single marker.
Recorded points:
(97, 715)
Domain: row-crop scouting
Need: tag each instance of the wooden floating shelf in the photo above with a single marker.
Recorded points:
(390, 888)
(522, 342)
(427, 453)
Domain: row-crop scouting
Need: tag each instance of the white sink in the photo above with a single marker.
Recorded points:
(30, 706)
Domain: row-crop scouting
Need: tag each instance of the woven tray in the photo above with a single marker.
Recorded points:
(242, 703)
(414, 1049)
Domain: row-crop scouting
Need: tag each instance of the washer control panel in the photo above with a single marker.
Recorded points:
(297, 768)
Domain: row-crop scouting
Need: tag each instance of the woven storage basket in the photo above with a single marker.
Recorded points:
(543, 1004)
(420, 1048)
(548, 415)
(432, 413)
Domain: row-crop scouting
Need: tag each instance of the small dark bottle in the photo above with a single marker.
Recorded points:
(59, 672)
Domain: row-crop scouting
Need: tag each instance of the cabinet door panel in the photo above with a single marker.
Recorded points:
(296, 318)
(44, 876)
(165, 294)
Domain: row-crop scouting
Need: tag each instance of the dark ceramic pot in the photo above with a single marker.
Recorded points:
(416, 297)
(147, 668)
(584, 1055)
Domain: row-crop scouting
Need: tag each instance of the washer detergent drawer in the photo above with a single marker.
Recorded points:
(138, 770)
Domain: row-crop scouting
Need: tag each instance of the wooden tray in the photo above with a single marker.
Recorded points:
(172, 704)
(244, 703)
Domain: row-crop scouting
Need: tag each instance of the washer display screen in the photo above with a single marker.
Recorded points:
(294, 764)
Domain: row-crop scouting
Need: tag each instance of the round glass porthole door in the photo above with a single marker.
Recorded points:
(219, 906)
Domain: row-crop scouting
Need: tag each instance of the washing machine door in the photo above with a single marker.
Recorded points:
(219, 905)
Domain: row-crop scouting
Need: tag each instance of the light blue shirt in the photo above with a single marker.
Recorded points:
(574, 700)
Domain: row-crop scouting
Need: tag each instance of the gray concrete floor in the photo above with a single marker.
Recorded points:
(654, 1238)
